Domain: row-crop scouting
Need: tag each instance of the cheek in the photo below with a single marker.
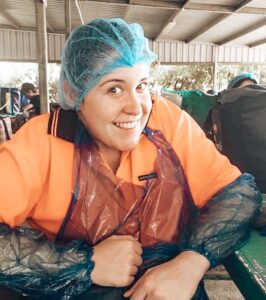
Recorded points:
(86, 117)
(147, 105)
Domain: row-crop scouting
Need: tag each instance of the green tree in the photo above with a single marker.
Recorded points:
(185, 77)
(199, 76)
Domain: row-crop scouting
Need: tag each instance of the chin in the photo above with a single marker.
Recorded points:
(128, 147)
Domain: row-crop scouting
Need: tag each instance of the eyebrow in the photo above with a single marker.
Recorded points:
(120, 80)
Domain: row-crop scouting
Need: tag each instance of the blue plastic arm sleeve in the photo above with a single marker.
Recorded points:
(224, 224)
(33, 265)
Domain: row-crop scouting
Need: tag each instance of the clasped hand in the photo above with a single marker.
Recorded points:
(118, 258)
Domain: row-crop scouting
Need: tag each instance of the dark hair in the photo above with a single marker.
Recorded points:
(26, 86)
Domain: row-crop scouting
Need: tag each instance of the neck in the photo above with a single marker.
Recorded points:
(111, 156)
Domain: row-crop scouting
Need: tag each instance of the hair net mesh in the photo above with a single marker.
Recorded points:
(95, 49)
(244, 75)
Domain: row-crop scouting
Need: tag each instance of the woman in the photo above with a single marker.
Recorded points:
(136, 202)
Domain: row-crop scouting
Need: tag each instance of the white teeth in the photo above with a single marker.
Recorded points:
(128, 125)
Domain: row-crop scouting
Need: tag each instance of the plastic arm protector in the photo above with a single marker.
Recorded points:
(33, 265)
(222, 226)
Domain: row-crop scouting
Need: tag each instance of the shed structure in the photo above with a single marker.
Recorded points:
(179, 31)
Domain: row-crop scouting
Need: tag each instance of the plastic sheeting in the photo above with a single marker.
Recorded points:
(35, 266)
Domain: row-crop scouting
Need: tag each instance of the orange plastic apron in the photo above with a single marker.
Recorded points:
(103, 205)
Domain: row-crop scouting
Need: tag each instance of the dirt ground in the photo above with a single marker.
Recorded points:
(219, 286)
(222, 290)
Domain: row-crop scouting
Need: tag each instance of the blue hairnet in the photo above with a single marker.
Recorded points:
(242, 76)
(95, 49)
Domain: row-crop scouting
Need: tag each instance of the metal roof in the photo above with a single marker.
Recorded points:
(220, 22)
(233, 31)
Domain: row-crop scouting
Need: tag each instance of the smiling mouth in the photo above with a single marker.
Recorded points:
(126, 125)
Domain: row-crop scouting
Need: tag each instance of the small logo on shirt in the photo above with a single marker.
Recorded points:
(147, 176)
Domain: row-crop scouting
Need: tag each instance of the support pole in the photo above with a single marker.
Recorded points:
(67, 17)
(215, 67)
(42, 53)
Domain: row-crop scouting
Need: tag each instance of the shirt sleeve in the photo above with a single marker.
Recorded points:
(22, 174)
(207, 171)
(223, 226)
(37, 267)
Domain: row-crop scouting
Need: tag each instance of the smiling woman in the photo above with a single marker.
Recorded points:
(126, 196)
(116, 111)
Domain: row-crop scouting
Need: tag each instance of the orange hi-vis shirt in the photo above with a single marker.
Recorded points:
(36, 167)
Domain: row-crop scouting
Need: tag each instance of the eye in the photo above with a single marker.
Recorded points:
(142, 87)
(115, 90)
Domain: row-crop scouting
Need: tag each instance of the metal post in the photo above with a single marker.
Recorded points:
(42, 53)
(215, 67)
(67, 17)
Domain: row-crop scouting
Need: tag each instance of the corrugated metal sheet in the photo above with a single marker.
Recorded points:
(171, 52)
(17, 46)
(55, 44)
(20, 46)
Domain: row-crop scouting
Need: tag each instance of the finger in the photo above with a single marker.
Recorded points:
(138, 294)
(128, 293)
(130, 238)
(137, 261)
(138, 249)
(132, 289)
(134, 270)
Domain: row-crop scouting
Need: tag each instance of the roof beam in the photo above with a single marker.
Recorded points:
(217, 21)
(225, 9)
(10, 19)
(206, 28)
(79, 12)
(167, 26)
(222, 9)
(14, 23)
(243, 32)
(141, 3)
(127, 9)
(49, 26)
(254, 11)
(258, 43)
(48, 20)
(68, 25)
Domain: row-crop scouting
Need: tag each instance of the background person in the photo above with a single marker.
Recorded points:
(29, 90)
(243, 79)
(135, 201)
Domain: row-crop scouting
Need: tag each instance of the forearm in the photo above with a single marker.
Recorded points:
(223, 226)
(32, 264)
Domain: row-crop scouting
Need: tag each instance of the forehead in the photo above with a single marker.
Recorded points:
(128, 74)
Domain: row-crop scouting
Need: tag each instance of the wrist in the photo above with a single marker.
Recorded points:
(195, 261)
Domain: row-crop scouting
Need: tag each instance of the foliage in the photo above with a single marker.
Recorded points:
(227, 72)
(177, 77)
(199, 76)
(184, 77)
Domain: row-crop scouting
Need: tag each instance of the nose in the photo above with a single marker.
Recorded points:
(133, 104)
